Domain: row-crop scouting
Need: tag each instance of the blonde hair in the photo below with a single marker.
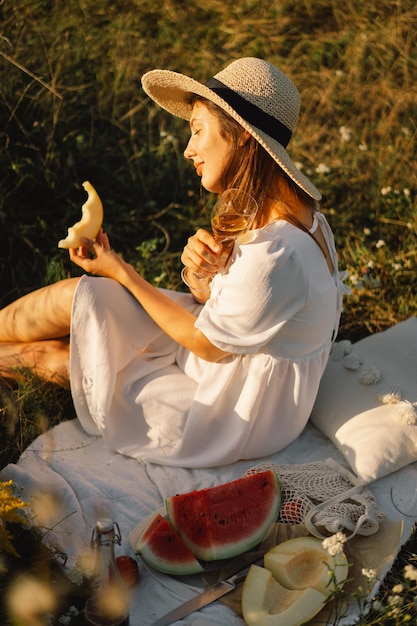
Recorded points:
(252, 169)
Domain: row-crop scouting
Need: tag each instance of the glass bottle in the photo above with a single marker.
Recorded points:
(109, 603)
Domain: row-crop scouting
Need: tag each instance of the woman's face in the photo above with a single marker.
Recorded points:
(207, 148)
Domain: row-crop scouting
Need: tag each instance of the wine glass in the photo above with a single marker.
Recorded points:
(232, 216)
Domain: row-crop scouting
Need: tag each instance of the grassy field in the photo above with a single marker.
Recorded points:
(72, 109)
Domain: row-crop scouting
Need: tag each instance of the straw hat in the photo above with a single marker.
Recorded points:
(252, 91)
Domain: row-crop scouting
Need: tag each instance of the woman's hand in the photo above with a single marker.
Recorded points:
(202, 254)
(96, 257)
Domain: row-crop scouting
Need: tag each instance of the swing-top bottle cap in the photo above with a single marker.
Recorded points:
(104, 525)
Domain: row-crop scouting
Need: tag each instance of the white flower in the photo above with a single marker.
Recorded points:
(385, 191)
(371, 264)
(345, 133)
(369, 572)
(406, 192)
(363, 147)
(166, 137)
(356, 281)
(366, 231)
(67, 617)
(410, 572)
(75, 576)
(395, 601)
(322, 168)
(340, 73)
(396, 266)
(397, 588)
(334, 544)
(378, 606)
(380, 243)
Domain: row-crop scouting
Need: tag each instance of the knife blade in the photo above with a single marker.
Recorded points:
(207, 596)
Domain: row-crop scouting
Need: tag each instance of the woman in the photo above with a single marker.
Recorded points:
(231, 370)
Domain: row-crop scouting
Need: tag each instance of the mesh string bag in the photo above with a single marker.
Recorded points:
(325, 497)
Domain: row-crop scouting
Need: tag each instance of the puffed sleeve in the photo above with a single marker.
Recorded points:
(263, 287)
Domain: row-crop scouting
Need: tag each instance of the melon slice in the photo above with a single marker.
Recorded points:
(90, 223)
(267, 603)
(298, 577)
(160, 546)
(224, 521)
(303, 562)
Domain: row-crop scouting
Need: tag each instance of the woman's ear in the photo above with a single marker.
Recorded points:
(244, 138)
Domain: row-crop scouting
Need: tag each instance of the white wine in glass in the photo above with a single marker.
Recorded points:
(232, 215)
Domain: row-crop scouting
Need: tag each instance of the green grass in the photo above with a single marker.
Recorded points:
(72, 109)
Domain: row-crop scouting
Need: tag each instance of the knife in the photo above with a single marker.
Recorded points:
(205, 597)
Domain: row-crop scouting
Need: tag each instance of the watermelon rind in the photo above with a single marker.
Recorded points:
(161, 547)
(224, 521)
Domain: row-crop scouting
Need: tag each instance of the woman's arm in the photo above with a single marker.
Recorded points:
(170, 316)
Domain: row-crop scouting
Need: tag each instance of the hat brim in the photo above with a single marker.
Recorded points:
(172, 91)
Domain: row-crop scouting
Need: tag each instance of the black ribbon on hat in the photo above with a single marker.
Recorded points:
(252, 113)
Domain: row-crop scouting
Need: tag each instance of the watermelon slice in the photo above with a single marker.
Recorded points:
(160, 546)
(224, 521)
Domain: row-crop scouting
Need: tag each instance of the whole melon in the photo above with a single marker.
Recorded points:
(226, 520)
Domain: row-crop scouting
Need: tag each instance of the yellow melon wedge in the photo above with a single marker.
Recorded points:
(297, 578)
(267, 603)
(303, 562)
(90, 223)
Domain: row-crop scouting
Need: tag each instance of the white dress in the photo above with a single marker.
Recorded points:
(276, 308)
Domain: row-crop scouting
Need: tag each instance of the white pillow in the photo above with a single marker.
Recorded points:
(367, 401)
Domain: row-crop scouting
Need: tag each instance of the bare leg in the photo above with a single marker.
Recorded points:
(47, 359)
(41, 314)
(34, 333)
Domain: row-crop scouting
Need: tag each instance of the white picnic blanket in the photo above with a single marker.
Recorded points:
(85, 480)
